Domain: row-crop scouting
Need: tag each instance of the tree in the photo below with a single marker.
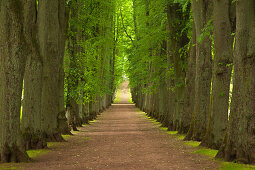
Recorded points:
(238, 143)
(189, 94)
(178, 40)
(50, 37)
(222, 68)
(31, 112)
(202, 16)
(12, 68)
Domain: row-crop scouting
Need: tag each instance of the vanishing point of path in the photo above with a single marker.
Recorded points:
(122, 138)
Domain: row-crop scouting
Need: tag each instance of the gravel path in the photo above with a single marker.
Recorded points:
(122, 138)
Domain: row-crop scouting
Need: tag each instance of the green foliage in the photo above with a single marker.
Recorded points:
(150, 63)
(117, 96)
(148, 48)
(207, 31)
(91, 66)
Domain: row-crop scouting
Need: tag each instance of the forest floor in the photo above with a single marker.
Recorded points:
(121, 138)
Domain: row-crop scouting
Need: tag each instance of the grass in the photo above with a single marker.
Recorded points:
(208, 152)
(153, 120)
(93, 121)
(172, 132)
(180, 137)
(66, 136)
(192, 143)
(51, 144)
(35, 153)
(9, 166)
(163, 128)
(235, 166)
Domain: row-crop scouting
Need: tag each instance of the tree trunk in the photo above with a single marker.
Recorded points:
(239, 141)
(72, 112)
(85, 113)
(50, 35)
(63, 127)
(31, 112)
(189, 93)
(171, 47)
(223, 45)
(12, 68)
(62, 119)
(202, 14)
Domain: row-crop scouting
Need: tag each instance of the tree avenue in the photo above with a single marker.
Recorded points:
(190, 65)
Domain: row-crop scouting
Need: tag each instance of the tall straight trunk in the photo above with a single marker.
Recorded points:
(239, 141)
(12, 68)
(175, 61)
(50, 33)
(62, 119)
(223, 45)
(85, 111)
(165, 120)
(162, 99)
(63, 127)
(179, 90)
(202, 14)
(189, 93)
(73, 114)
(170, 86)
(31, 112)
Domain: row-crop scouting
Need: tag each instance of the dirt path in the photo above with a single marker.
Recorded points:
(122, 138)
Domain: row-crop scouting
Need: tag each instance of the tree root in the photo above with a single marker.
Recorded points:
(13, 154)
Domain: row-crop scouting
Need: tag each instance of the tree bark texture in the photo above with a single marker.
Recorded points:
(12, 68)
(63, 127)
(31, 113)
(189, 93)
(174, 16)
(239, 141)
(202, 11)
(50, 36)
(222, 68)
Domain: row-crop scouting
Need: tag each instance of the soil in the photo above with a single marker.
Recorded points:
(121, 138)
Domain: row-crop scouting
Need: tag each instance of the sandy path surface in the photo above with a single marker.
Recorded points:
(122, 138)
